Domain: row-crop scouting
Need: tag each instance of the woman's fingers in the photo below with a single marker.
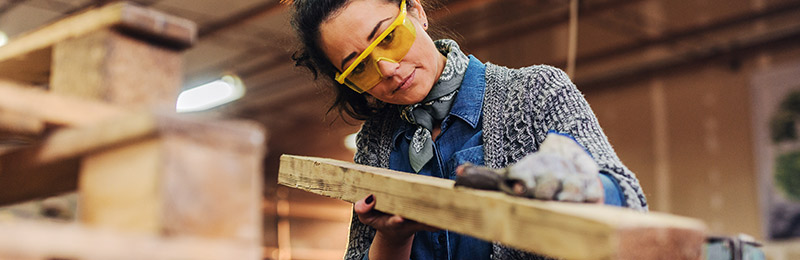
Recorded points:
(364, 205)
(364, 208)
(573, 189)
(547, 186)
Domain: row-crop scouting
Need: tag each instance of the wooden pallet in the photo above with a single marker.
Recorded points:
(91, 97)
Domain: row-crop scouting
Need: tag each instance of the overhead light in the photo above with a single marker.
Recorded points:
(210, 95)
(3, 38)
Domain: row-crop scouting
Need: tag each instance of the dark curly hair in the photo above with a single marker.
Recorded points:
(307, 17)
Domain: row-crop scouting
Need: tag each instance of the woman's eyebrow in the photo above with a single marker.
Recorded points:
(374, 30)
(369, 38)
(346, 59)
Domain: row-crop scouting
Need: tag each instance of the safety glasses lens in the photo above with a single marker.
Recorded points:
(393, 47)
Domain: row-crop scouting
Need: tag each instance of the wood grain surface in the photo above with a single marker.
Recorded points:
(563, 230)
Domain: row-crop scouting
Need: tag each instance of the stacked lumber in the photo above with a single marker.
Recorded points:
(88, 103)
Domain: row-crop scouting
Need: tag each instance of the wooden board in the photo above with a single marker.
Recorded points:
(51, 167)
(53, 109)
(213, 179)
(13, 123)
(114, 67)
(45, 240)
(27, 58)
(557, 229)
(198, 178)
(153, 174)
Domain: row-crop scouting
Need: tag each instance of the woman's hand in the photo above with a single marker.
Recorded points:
(394, 233)
(560, 170)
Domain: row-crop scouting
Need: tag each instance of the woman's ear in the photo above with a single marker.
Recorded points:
(418, 12)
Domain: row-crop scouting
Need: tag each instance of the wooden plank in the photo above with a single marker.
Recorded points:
(120, 188)
(150, 174)
(51, 108)
(46, 240)
(114, 67)
(78, 141)
(27, 58)
(26, 112)
(15, 123)
(213, 179)
(198, 178)
(51, 167)
(557, 229)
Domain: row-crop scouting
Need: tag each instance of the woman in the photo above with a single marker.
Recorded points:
(428, 108)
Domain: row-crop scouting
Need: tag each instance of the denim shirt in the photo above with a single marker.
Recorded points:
(460, 141)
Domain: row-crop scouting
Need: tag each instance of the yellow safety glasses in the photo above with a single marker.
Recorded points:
(391, 45)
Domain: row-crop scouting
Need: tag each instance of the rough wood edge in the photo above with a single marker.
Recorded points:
(45, 240)
(566, 230)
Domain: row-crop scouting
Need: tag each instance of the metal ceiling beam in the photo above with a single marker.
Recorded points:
(262, 9)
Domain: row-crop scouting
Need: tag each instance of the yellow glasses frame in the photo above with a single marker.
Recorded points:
(400, 20)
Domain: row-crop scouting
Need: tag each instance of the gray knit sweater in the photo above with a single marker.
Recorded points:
(520, 107)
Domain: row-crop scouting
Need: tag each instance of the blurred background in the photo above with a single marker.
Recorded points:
(699, 98)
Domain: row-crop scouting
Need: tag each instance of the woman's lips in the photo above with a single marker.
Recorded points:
(406, 82)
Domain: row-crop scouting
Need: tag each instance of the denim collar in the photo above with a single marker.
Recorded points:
(469, 100)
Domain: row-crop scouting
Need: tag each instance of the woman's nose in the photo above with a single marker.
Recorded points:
(387, 68)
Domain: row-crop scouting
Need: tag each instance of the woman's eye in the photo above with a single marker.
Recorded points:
(388, 39)
(358, 69)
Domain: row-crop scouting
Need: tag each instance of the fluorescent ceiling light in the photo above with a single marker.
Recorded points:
(3, 38)
(210, 95)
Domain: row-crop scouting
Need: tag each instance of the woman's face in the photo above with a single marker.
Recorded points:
(347, 33)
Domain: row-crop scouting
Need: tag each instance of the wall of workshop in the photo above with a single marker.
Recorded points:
(687, 132)
(688, 135)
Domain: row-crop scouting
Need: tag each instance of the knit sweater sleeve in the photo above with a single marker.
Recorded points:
(374, 145)
(560, 106)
